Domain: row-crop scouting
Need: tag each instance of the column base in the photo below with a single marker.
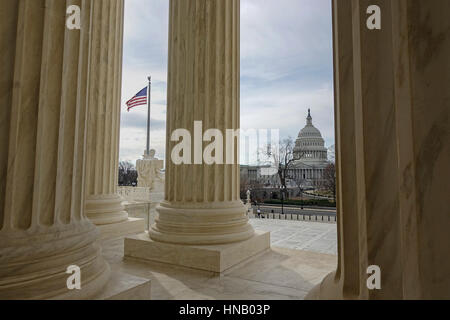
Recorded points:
(120, 229)
(329, 289)
(215, 258)
(105, 209)
(34, 266)
(201, 223)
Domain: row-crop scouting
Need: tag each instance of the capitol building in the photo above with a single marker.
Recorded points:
(311, 158)
(310, 154)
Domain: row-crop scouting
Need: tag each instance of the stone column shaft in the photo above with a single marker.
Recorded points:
(202, 202)
(103, 204)
(44, 80)
(392, 152)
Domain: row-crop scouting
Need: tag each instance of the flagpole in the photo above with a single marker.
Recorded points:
(149, 91)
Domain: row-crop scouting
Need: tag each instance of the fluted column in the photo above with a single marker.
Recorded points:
(393, 151)
(202, 203)
(103, 204)
(44, 80)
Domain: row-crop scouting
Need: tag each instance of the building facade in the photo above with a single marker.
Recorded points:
(306, 171)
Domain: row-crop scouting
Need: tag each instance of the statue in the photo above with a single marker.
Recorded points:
(248, 203)
(149, 172)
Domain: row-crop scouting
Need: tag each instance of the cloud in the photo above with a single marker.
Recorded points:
(287, 65)
(145, 54)
(286, 68)
(135, 120)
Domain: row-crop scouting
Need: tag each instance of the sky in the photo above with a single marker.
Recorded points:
(286, 68)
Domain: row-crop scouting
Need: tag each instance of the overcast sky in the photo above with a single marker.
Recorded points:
(286, 68)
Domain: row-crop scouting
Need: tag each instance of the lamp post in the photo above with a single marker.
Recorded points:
(282, 188)
(301, 195)
(301, 191)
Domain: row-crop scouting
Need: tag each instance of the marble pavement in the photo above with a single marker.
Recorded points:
(302, 235)
(279, 273)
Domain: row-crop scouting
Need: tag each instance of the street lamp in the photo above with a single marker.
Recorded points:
(283, 189)
(301, 195)
(301, 191)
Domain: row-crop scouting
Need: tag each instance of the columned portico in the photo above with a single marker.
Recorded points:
(202, 204)
(57, 113)
(392, 131)
(43, 108)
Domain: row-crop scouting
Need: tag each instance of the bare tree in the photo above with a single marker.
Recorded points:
(244, 186)
(284, 158)
(329, 179)
(256, 186)
(300, 183)
(127, 174)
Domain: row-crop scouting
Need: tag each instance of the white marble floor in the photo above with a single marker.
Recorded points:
(279, 273)
(300, 235)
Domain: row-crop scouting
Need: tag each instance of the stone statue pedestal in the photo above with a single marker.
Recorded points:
(215, 258)
(149, 172)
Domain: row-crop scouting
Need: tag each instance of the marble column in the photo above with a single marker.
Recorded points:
(202, 203)
(392, 131)
(103, 204)
(44, 80)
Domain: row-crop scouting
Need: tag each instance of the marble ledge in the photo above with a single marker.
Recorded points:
(213, 258)
(120, 229)
(123, 286)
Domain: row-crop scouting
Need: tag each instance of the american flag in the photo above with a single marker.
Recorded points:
(138, 100)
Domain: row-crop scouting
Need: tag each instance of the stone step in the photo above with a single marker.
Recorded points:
(117, 230)
(122, 286)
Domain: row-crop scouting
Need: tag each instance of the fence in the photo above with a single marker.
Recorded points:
(326, 218)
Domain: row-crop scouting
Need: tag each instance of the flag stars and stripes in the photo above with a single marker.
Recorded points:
(138, 100)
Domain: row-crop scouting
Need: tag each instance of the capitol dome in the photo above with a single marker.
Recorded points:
(310, 132)
(310, 156)
(310, 146)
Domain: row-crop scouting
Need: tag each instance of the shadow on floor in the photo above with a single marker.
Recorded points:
(277, 274)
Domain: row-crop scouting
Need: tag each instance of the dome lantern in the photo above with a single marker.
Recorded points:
(309, 118)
